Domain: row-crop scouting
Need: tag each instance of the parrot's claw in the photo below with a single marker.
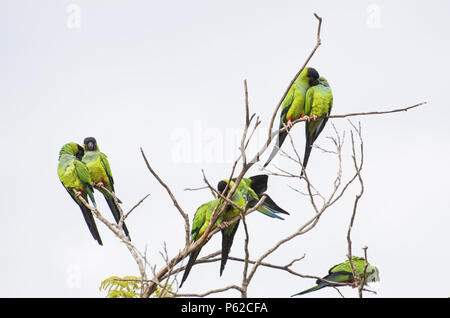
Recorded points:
(223, 225)
(77, 193)
(289, 124)
(314, 117)
(99, 184)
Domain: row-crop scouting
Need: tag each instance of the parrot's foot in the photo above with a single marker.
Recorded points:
(223, 225)
(99, 184)
(77, 193)
(314, 117)
(289, 124)
(305, 117)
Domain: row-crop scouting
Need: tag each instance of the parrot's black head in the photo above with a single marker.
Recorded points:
(90, 144)
(221, 186)
(313, 76)
(80, 153)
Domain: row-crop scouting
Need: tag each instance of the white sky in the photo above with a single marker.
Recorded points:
(168, 77)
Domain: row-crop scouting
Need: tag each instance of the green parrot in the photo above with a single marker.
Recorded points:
(319, 100)
(342, 273)
(74, 176)
(248, 192)
(100, 172)
(200, 222)
(293, 106)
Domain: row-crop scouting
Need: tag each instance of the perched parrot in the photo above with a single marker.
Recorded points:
(201, 221)
(74, 176)
(249, 191)
(342, 273)
(293, 106)
(319, 101)
(100, 173)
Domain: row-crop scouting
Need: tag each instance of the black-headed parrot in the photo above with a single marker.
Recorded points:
(200, 222)
(249, 191)
(100, 173)
(293, 105)
(342, 273)
(74, 176)
(319, 101)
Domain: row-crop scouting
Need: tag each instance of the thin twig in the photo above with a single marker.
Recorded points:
(355, 205)
(135, 206)
(175, 202)
(214, 291)
(363, 281)
(247, 257)
(120, 234)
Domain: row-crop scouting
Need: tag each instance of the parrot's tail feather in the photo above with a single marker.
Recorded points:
(281, 137)
(273, 206)
(189, 265)
(91, 196)
(116, 213)
(89, 218)
(259, 183)
(310, 290)
(308, 148)
(87, 214)
(269, 212)
(227, 241)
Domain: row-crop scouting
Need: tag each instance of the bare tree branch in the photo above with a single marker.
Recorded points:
(355, 205)
(119, 233)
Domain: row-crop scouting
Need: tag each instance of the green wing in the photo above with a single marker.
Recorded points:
(200, 222)
(202, 218)
(358, 262)
(197, 223)
(319, 101)
(309, 100)
(287, 103)
(105, 163)
(325, 108)
(110, 186)
(372, 273)
(83, 174)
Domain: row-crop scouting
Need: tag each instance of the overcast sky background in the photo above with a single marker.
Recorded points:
(168, 77)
